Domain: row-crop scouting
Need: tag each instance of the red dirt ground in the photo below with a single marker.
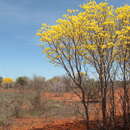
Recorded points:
(62, 97)
(50, 124)
(42, 124)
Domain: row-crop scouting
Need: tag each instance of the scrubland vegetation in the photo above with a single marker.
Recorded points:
(37, 97)
(57, 99)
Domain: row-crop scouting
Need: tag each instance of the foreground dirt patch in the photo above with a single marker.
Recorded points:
(42, 124)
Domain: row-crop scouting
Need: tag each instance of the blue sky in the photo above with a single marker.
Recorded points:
(19, 22)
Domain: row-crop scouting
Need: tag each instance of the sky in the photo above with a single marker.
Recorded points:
(20, 54)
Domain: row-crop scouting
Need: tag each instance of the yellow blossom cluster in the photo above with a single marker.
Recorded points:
(98, 28)
(7, 80)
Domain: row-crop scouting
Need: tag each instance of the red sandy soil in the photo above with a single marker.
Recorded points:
(50, 124)
(61, 97)
(42, 124)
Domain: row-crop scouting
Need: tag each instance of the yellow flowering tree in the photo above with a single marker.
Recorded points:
(95, 36)
(63, 47)
(7, 81)
(99, 40)
(123, 57)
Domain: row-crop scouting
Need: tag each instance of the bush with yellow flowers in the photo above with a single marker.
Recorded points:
(7, 82)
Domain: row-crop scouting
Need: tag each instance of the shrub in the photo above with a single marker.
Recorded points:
(22, 81)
